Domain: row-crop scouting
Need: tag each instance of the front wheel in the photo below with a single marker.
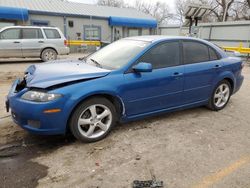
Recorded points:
(220, 96)
(93, 120)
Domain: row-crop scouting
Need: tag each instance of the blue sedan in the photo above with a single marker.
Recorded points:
(127, 80)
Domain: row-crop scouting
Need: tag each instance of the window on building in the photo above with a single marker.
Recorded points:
(92, 33)
(71, 23)
(40, 22)
(32, 33)
(10, 34)
(195, 52)
(133, 32)
(52, 34)
(166, 54)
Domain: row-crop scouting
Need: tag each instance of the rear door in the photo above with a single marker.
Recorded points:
(32, 42)
(202, 64)
(10, 43)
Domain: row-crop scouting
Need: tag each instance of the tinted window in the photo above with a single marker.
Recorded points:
(32, 34)
(195, 52)
(11, 34)
(163, 55)
(213, 55)
(52, 34)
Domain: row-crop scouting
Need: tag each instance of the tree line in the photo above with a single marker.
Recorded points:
(221, 10)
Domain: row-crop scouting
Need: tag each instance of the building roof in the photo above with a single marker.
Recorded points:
(72, 8)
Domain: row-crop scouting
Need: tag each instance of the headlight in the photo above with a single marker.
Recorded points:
(39, 96)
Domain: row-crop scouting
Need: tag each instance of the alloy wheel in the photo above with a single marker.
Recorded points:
(95, 121)
(221, 95)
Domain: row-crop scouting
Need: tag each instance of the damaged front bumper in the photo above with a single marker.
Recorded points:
(30, 115)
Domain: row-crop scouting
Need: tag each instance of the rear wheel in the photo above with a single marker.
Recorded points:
(48, 55)
(93, 120)
(220, 96)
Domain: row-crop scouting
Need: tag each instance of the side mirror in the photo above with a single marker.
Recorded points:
(143, 67)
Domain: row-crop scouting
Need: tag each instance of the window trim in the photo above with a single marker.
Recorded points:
(92, 26)
(20, 35)
(130, 69)
(207, 45)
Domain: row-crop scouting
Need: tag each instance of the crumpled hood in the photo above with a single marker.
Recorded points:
(59, 72)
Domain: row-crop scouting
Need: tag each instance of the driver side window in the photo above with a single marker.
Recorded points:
(163, 55)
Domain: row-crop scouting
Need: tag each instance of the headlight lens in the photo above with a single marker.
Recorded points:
(39, 96)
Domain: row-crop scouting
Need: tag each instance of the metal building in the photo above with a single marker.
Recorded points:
(78, 21)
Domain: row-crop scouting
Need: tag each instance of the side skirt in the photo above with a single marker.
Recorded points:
(125, 118)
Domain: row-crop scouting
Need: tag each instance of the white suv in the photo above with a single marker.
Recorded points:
(31, 41)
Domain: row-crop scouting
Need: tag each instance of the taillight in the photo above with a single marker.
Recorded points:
(65, 43)
(242, 65)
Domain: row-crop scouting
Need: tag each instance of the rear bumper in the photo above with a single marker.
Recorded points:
(63, 51)
(238, 84)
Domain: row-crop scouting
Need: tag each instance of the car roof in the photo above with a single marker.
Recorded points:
(159, 38)
(155, 38)
(19, 26)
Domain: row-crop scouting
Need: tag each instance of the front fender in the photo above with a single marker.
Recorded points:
(75, 95)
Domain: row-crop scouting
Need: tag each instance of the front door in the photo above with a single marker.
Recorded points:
(10, 43)
(157, 90)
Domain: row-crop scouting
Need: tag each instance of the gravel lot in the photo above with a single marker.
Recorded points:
(191, 148)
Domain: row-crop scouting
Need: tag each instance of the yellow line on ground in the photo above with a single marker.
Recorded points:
(212, 179)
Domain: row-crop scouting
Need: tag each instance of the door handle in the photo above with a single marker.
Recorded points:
(217, 66)
(40, 41)
(177, 74)
(16, 42)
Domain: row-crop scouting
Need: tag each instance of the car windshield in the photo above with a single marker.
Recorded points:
(117, 54)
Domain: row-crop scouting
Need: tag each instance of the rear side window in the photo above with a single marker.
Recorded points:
(195, 52)
(163, 55)
(52, 34)
(10, 34)
(32, 33)
(213, 55)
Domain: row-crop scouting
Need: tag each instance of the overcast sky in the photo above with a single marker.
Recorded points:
(170, 2)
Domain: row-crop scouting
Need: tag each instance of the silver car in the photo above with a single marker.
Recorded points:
(31, 41)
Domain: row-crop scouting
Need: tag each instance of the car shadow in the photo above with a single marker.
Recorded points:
(17, 61)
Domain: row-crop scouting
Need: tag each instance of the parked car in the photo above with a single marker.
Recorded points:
(29, 41)
(127, 80)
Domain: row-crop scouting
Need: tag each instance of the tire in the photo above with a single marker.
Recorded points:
(93, 119)
(48, 54)
(220, 96)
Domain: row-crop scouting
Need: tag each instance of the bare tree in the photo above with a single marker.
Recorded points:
(112, 3)
(180, 10)
(221, 10)
(158, 10)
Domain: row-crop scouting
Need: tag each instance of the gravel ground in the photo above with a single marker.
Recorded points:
(191, 148)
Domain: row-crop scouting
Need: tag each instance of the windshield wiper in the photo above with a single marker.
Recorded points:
(98, 64)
